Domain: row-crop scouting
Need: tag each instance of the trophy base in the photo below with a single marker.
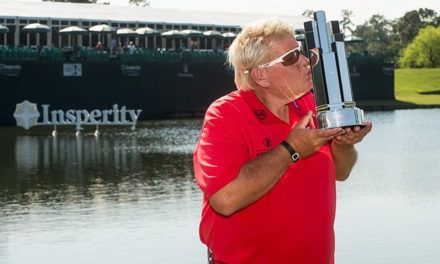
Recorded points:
(344, 117)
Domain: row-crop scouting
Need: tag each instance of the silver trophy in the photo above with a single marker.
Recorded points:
(331, 79)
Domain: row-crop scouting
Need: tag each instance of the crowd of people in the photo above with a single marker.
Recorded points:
(119, 48)
(128, 47)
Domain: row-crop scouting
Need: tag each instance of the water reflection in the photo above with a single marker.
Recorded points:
(73, 156)
(151, 162)
(26, 154)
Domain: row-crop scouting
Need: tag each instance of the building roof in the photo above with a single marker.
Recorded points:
(59, 10)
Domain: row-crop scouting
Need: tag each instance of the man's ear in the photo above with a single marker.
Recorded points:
(260, 77)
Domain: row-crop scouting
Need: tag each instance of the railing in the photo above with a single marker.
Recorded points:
(90, 54)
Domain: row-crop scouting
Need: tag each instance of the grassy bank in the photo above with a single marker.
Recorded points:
(417, 86)
(413, 88)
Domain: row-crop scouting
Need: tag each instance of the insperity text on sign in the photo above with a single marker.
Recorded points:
(27, 115)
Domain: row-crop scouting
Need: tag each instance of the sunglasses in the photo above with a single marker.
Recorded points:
(290, 58)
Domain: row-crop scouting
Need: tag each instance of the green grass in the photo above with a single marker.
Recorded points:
(417, 86)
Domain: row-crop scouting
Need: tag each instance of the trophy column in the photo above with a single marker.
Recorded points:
(335, 106)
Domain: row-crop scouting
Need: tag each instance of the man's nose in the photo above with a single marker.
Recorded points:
(303, 60)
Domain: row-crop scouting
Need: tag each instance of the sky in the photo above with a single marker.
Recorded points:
(362, 9)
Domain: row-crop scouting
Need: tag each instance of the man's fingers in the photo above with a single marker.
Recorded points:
(364, 131)
(311, 123)
(356, 135)
(349, 134)
(368, 127)
(329, 133)
(305, 120)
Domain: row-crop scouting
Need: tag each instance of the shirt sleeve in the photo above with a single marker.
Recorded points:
(221, 149)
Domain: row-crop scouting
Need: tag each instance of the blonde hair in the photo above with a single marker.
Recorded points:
(252, 47)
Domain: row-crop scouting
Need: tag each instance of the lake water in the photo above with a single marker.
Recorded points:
(130, 197)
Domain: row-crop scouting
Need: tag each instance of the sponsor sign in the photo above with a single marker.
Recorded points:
(10, 70)
(72, 69)
(388, 71)
(131, 70)
(27, 115)
(185, 72)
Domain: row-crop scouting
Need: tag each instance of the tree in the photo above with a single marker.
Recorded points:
(412, 21)
(424, 51)
(379, 38)
(429, 17)
(139, 2)
(346, 23)
(308, 13)
(73, 1)
(375, 33)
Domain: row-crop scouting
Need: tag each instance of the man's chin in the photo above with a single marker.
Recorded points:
(309, 88)
(302, 94)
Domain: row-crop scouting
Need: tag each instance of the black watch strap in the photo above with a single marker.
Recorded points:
(293, 154)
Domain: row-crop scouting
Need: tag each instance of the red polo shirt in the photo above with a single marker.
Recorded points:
(292, 223)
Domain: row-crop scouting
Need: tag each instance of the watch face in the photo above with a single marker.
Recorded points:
(295, 156)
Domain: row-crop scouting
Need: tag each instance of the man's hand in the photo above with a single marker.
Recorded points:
(307, 141)
(352, 136)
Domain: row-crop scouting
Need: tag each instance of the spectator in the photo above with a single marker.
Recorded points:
(131, 47)
(98, 46)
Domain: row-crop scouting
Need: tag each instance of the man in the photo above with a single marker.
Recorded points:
(267, 174)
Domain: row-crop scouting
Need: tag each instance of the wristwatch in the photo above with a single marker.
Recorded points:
(293, 154)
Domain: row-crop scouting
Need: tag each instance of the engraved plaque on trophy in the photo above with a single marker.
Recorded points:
(335, 106)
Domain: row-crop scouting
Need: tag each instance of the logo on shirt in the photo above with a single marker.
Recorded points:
(267, 143)
(261, 114)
